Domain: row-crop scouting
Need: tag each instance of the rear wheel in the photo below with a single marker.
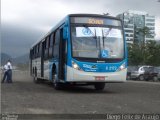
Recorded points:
(99, 86)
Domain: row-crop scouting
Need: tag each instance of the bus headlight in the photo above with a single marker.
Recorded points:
(75, 66)
(123, 66)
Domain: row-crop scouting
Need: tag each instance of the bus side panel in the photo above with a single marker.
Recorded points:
(51, 63)
(36, 69)
(46, 69)
(32, 66)
(50, 70)
(38, 66)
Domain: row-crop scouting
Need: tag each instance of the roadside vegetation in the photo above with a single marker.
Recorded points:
(144, 54)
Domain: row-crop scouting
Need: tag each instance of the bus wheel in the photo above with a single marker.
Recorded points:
(99, 86)
(56, 84)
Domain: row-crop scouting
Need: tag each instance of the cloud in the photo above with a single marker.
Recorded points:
(16, 40)
(25, 21)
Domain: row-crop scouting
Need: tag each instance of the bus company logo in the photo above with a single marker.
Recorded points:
(89, 66)
(86, 31)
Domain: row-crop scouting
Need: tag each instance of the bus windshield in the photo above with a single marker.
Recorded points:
(97, 42)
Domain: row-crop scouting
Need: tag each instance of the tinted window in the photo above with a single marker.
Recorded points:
(47, 42)
(51, 40)
(56, 44)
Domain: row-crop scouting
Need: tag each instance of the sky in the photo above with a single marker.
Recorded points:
(25, 21)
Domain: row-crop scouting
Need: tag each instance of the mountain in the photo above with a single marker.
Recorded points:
(22, 59)
(15, 61)
(4, 58)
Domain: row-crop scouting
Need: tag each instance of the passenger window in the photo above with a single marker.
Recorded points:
(40, 49)
(51, 40)
(56, 44)
(35, 52)
(57, 37)
(51, 45)
(44, 44)
(47, 42)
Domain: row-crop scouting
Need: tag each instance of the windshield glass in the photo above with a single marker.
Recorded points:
(97, 42)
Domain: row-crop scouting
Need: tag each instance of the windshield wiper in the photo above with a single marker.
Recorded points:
(106, 35)
(107, 32)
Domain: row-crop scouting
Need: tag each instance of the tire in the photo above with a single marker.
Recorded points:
(55, 82)
(155, 78)
(99, 86)
(141, 78)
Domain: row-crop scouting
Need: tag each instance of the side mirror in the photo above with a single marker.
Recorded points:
(65, 32)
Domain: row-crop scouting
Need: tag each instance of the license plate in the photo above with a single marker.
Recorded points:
(100, 78)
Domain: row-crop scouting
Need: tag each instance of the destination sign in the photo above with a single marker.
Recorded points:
(95, 21)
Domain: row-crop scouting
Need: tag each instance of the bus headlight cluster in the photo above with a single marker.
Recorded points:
(75, 66)
(123, 66)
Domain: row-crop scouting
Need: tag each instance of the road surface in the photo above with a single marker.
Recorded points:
(26, 97)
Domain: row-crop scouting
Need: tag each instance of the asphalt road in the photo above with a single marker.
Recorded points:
(26, 97)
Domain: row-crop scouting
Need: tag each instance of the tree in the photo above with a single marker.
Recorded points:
(148, 55)
(153, 53)
(135, 55)
(145, 31)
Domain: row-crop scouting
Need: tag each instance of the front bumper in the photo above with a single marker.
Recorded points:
(74, 75)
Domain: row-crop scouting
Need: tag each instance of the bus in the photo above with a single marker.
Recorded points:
(82, 49)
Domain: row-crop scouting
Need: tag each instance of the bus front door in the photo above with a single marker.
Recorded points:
(62, 56)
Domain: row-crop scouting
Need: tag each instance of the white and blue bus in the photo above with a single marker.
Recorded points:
(83, 49)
